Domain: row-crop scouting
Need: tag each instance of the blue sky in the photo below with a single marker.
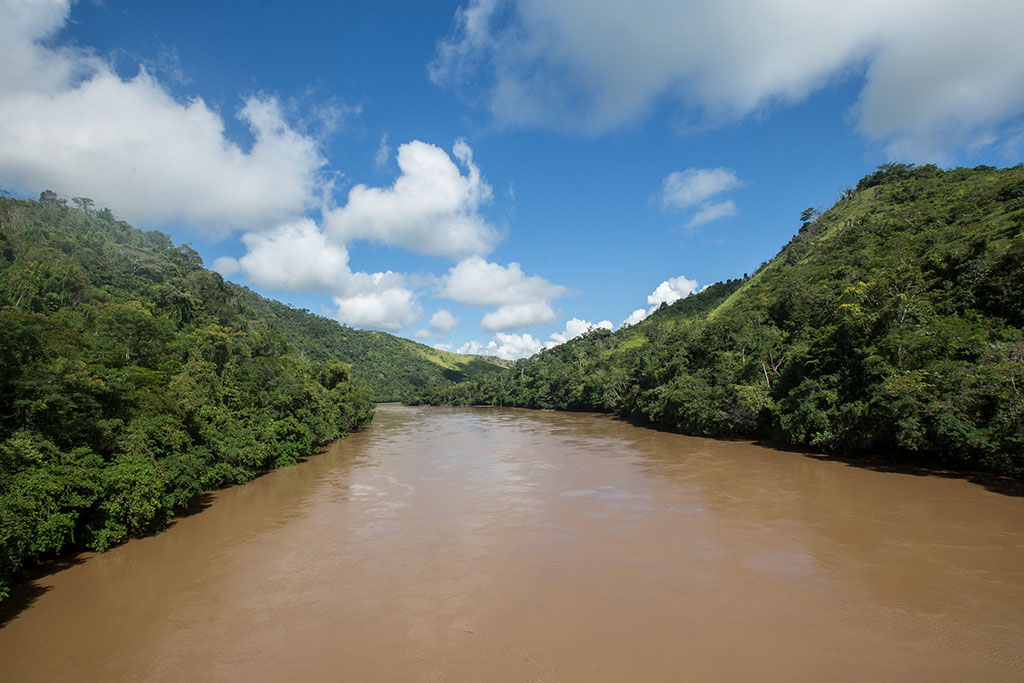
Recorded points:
(494, 176)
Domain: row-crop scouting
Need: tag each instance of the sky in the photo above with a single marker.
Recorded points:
(494, 176)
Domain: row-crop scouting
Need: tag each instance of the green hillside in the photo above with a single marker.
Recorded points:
(892, 322)
(392, 366)
(132, 379)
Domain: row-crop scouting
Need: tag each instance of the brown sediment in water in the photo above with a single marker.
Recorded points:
(507, 545)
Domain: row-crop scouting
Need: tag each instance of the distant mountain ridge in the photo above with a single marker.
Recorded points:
(891, 323)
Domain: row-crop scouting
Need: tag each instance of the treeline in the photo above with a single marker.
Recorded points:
(132, 379)
(891, 323)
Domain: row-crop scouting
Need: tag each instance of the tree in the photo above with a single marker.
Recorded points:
(52, 198)
(84, 204)
(131, 335)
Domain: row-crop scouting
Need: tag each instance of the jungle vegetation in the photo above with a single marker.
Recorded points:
(132, 379)
(395, 368)
(891, 323)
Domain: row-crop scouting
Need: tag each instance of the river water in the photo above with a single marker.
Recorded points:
(508, 545)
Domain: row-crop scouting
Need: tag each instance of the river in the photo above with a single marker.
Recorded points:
(476, 544)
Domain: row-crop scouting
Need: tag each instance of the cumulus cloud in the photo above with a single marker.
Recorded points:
(515, 316)
(386, 309)
(635, 317)
(381, 301)
(576, 327)
(478, 282)
(475, 348)
(523, 300)
(668, 292)
(938, 75)
(70, 123)
(513, 346)
(294, 257)
(507, 346)
(443, 321)
(672, 290)
(945, 80)
(431, 208)
(297, 257)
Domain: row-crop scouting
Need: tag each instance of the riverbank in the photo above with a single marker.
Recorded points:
(505, 544)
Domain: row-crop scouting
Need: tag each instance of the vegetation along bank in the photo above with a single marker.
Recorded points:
(891, 323)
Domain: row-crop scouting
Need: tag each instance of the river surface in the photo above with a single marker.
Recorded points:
(509, 545)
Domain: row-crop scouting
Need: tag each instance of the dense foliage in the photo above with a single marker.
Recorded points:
(394, 367)
(132, 379)
(892, 322)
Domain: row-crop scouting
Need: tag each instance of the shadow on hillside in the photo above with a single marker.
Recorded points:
(897, 465)
(28, 586)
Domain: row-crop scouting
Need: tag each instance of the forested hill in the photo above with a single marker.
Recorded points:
(394, 367)
(132, 379)
(892, 322)
(71, 244)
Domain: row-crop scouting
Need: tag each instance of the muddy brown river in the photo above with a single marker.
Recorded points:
(509, 545)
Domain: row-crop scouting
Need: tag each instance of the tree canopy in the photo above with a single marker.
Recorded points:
(132, 379)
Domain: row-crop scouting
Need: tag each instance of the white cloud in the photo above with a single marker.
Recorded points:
(478, 282)
(523, 300)
(948, 77)
(387, 309)
(694, 187)
(668, 292)
(576, 327)
(635, 317)
(683, 189)
(513, 346)
(431, 208)
(383, 152)
(475, 348)
(671, 290)
(507, 346)
(443, 321)
(29, 66)
(515, 316)
(443, 347)
(68, 122)
(226, 266)
(713, 211)
(295, 257)
(939, 75)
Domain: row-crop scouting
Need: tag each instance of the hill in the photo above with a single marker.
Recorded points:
(392, 366)
(132, 379)
(892, 322)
